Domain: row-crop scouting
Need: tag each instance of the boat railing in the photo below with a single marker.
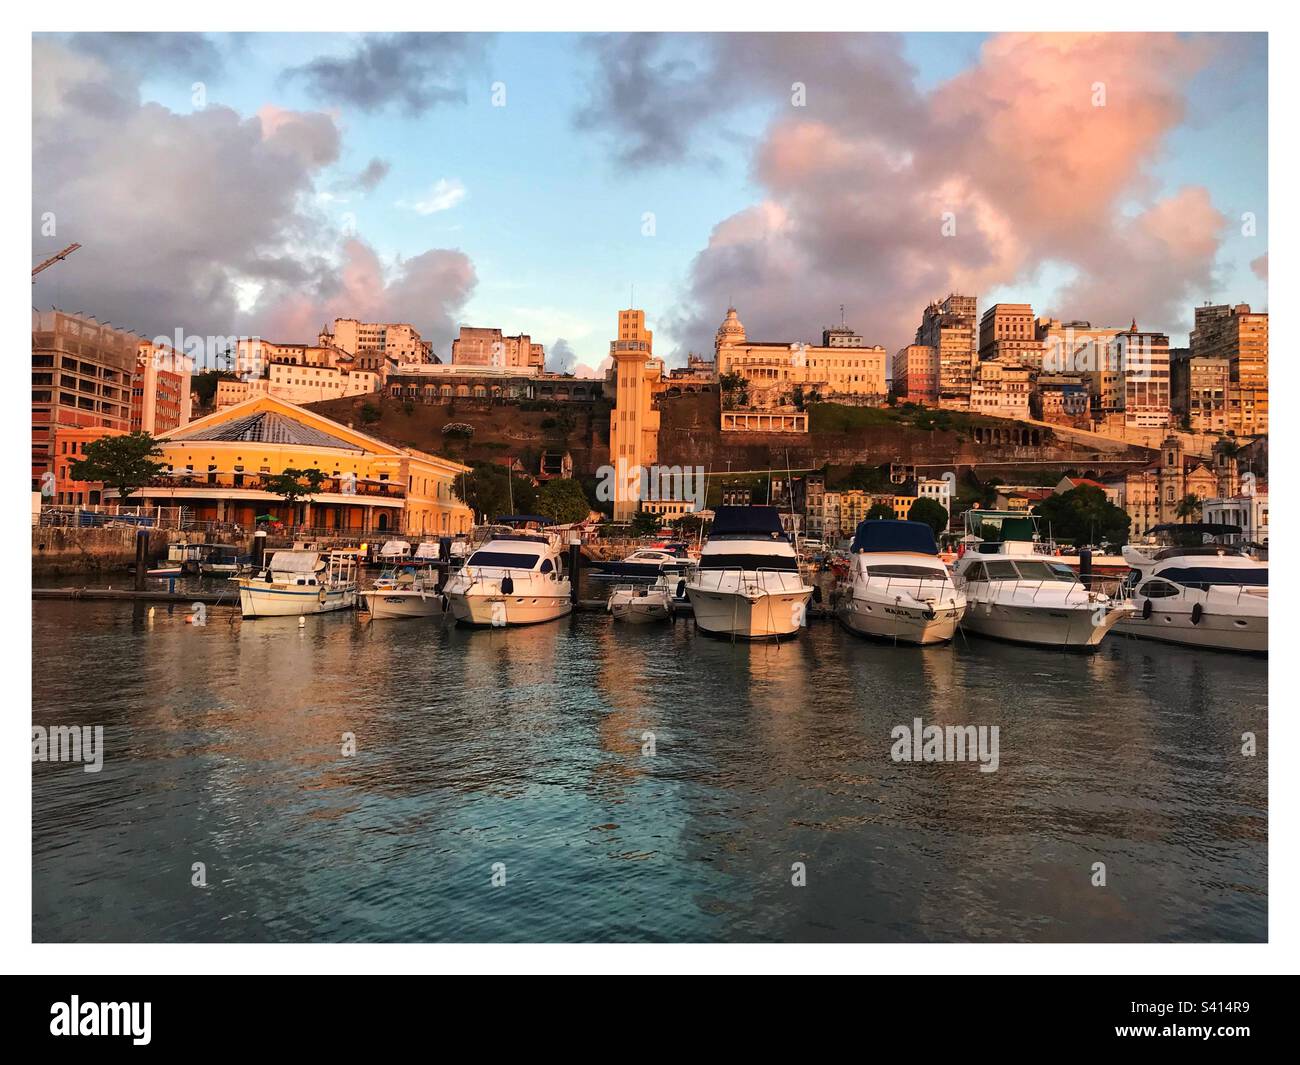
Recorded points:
(752, 581)
(913, 586)
(1016, 585)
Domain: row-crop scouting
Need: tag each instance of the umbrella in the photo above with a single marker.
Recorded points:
(266, 517)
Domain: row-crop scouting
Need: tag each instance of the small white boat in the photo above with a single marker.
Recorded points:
(748, 583)
(407, 588)
(645, 563)
(640, 604)
(1016, 590)
(1212, 596)
(299, 582)
(514, 578)
(899, 589)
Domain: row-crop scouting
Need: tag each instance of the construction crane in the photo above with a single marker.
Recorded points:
(57, 257)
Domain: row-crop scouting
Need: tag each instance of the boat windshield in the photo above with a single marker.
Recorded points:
(1045, 571)
(1206, 576)
(503, 559)
(896, 570)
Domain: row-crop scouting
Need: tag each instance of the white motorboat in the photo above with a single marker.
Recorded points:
(1016, 590)
(299, 582)
(646, 563)
(640, 604)
(514, 578)
(407, 587)
(748, 583)
(1212, 596)
(898, 588)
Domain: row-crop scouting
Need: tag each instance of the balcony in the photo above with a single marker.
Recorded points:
(252, 482)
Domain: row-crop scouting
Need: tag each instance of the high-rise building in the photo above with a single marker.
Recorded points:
(916, 375)
(1143, 360)
(1008, 334)
(396, 341)
(1198, 390)
(160, 389)
(633, 423)
(949, 327)
(81, 377)
(489, 347)
(1239, 335)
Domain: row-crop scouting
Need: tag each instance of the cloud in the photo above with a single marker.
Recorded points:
(561, 357)
(1260, 267)
(413, 71)
(856, 185)
(369, 178)
(194, 53)
(208, 221)
(442, 196)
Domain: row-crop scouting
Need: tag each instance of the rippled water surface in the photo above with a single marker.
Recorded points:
(528, 748)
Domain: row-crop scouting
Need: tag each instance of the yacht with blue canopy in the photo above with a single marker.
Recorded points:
(748, 583)
(899, 588)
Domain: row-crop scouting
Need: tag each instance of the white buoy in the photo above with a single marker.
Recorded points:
(302, 622)
(151, 610)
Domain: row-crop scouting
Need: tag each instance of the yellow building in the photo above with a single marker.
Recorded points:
(841, 365)
(215, 467)
(633, 423)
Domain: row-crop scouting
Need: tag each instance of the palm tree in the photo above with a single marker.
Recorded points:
(1188, 507)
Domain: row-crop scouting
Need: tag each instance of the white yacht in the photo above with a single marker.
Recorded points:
(1017, 590)
(898, 588)
(645, 563)
(1212, 596)
(748, 582)
(515, 577)
(407, 587)
(299, 582)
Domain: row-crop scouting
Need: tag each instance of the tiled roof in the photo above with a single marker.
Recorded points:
(268, 427)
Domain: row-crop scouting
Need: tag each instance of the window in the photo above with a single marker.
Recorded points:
(503, 559)
(1001, 570)
(1157, 589)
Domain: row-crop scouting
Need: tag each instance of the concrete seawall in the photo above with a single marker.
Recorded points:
(67, 550)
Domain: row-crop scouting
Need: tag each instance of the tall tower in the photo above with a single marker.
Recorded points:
(633, 423)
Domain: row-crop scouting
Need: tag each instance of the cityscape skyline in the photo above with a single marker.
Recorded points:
(372, 175)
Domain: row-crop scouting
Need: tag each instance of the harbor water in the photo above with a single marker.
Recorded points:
(587, 781)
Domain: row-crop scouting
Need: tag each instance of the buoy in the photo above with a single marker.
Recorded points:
(151, 610)
(1197, 612)
(302, 622)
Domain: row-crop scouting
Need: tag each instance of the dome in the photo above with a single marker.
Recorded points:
(731, 331)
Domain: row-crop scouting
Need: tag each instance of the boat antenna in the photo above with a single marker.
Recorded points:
(510, 481)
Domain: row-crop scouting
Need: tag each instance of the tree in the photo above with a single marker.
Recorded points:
(1188, 507)
(644, 523)
(1084, 515)
(563, 501)
(294, 486)
(123, 463)
(931, 512)
(370, 413)
(204, 384)
(489, 489)
(880, 512)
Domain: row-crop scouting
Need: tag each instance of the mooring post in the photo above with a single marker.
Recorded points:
(1085, 567)
(575, 566)
(259, 549)
(141, 553)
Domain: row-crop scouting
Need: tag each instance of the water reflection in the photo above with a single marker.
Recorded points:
(638, 782)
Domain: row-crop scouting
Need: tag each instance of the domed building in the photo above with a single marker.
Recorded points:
(731, 331)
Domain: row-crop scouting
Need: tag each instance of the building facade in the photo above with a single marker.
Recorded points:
(1239, 335)
(776, 371)
(1008, 334)
(916, 375)
(216, 467)
(634, 421)
(949, 326)
(489, 347)
(81, 378)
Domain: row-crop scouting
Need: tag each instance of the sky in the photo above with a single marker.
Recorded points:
(263, 184)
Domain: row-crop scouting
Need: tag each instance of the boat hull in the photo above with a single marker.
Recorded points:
(259, 600)
(640, 609)
(897, 623)
(749, 616)
(494, 610)
(394, 603)
(1216, 632)
(1057, 627)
